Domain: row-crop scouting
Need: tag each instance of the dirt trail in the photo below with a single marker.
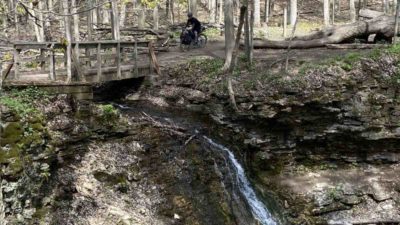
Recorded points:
(216, 50)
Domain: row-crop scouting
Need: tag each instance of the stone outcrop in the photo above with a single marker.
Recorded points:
(332, 119)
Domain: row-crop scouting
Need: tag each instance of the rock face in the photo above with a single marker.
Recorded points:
(33, 149)
(301, 133)
(83, 163)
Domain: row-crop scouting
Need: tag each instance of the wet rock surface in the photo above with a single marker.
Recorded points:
(329, 120)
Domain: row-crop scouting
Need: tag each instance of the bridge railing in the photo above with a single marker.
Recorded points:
(93, 61)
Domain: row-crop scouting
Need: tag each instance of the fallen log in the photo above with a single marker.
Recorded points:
(370, 14)
(382, 26)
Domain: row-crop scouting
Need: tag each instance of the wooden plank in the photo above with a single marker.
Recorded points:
(83, 44)
(118, 61)
(16, 64)
(98, 61)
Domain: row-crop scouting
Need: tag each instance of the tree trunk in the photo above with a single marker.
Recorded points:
(122, 14)
(266, 10)
(68, 38)
(155, 18)
(90, 19)
(167, 5)
(250, 56)
(229, 72)
(193, 7)
(284, 21)
(36, 24)
(352, 11)
(16, 21)
(326, 13)
(115, 20)
(396, 24)
(105, 15)
(293, 12)
(235, 52)
(142, 17)
(385, 6)
(247, 31)
(257, 13)
(333, 11)
(41, 20)
(213, 5)
(172, 12)
(221, 12)
(229, 33)
(75, 17)
(382, 26)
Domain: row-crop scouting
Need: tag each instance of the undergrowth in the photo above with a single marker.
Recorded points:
(348, 61)
(22, 102)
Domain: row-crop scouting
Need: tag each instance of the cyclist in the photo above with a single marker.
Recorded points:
(196, 26)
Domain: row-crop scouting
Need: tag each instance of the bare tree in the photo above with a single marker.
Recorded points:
(155, 18)
(293, 12)
(115, 20)
(257, 13)
(352, 11)
(36, 23)
(142, 16)
(396, 26)
(122, 14)
(326, 13)
(220, 15)
(193, 7)
(213, 5)
(68, 38)
(229, 33)
(229, 71)
(266, 10)
(75, 18)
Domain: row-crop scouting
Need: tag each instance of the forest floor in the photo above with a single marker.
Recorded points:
(271, 57)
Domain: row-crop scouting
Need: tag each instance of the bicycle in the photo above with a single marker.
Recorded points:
(188, 42)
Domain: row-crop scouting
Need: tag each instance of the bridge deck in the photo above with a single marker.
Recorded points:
(90, 62)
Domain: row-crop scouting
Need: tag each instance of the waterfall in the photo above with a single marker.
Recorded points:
(259, 211)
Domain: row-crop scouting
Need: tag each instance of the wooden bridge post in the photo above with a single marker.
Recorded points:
(1, 75)
(153, 59)
(98, 61)
(52, 65)
(151, 67)
(119, 60)
(135, 55)
(42, 60)
(16, 63)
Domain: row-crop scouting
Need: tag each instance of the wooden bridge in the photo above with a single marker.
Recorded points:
(46, 65)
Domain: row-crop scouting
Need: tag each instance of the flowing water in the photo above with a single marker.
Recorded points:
(234, 174)
(259, 211)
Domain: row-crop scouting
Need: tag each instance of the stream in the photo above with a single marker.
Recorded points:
(244, 198)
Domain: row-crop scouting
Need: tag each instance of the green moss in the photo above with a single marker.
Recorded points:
(110, 179)
(22, 102)
(40, 213)
(12, 133)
